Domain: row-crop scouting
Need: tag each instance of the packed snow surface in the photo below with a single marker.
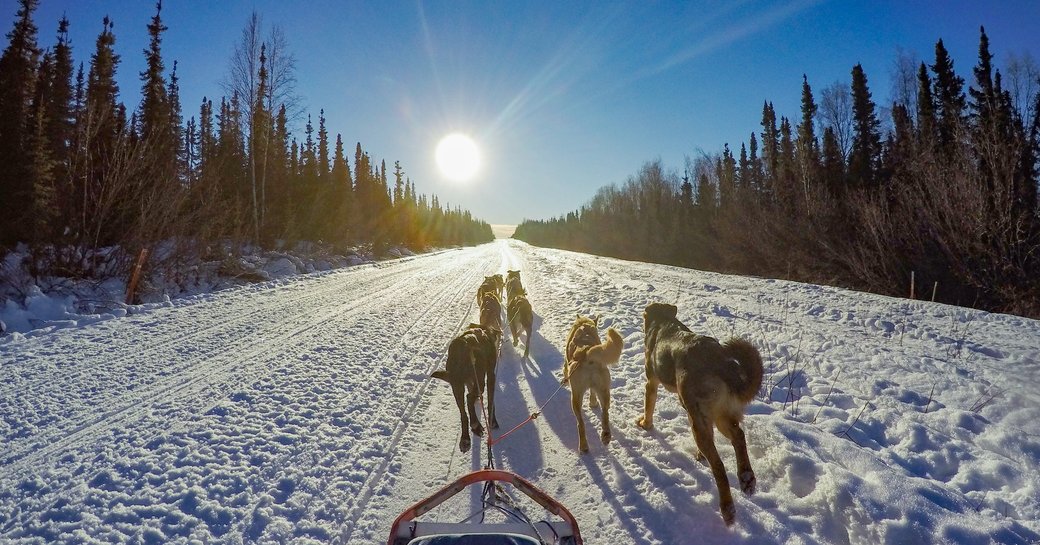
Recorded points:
(302, 411)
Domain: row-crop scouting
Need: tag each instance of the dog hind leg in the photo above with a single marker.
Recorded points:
(605, 399)
(474, 424)
(464, 440)
(491, 399)
(730, 428)
(704, 437)
(576, 397)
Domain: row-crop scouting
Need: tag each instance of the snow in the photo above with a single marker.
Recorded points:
(300, 410)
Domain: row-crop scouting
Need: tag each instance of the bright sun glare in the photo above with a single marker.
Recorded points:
(458, 157)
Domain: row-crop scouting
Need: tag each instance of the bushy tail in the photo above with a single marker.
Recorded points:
(606, 353)
(750, 365)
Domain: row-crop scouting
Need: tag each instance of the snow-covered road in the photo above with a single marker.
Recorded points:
(302, 411)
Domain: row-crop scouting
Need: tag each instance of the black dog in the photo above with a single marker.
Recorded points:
(470, 370)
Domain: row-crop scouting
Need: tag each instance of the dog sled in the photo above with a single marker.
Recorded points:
(519, 530)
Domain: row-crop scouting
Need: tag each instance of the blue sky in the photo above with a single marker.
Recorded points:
(562, 97)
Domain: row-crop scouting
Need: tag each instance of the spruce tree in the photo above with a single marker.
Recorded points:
(807, 149)
(925, 109)
(61, 111)
(949, 99)
(18, 65)
(107, 121)
(865, 155)
(154, 112)
(323, 146)
(770, 148)
(42, 212)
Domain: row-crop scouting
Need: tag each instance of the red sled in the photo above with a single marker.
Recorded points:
(408, 531)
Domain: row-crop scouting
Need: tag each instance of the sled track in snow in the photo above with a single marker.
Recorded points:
(420, 333)
(187, 383)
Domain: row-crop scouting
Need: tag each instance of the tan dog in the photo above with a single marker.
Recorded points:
(714, 382)
(521, 319)
(586, 371)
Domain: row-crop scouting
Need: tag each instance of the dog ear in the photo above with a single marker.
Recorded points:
(441, 374)
(595, 320)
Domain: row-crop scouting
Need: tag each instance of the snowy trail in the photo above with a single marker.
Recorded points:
(303, 411)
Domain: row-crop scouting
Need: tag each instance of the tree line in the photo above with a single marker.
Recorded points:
(87, 183)
(945, 190)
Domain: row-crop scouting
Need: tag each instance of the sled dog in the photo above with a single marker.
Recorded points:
(490, 285)
(714, 382)
(513, 285)
(521, 318)
(470, 370)
(586, 370)
(491, 311)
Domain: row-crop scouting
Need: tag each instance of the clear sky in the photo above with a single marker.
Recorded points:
(561, 97)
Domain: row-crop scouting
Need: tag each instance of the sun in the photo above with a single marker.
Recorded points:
(458, 157)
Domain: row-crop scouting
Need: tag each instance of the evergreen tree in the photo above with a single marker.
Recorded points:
(105, 123)
(949, 100)
(785, 187)
(755, 181)
(807, 149)
(925, 109)
(865, 156)
(155, 112)
(42, 209)
(770, 149)
(833, 164)
(18, 64)
(323, 146)
(60, 113)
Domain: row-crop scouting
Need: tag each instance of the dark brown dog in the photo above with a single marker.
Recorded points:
(714, 382)
(491, 311)
(470, 370)
(513, 285)
(492, 284)
(521, 319)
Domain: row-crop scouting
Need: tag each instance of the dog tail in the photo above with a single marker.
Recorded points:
(750, 366)
(606, 353)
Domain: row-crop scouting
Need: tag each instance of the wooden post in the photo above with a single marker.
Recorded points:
(911, 284)
(132, 287)
(935, 287)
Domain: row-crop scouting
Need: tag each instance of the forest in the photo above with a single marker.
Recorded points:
(932, 195)
(87, 182)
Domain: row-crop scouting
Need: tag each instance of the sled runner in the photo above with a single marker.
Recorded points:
(407, 531)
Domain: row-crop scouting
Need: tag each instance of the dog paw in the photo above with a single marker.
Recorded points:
(645, 424)
(729, 513)
(464, 444)
(605, 437)
(748, 482)
(494, 424)
(478, 430)
(515, 342)
(584, 449)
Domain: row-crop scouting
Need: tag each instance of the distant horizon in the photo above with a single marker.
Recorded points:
(562, 99)
(503, 231)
